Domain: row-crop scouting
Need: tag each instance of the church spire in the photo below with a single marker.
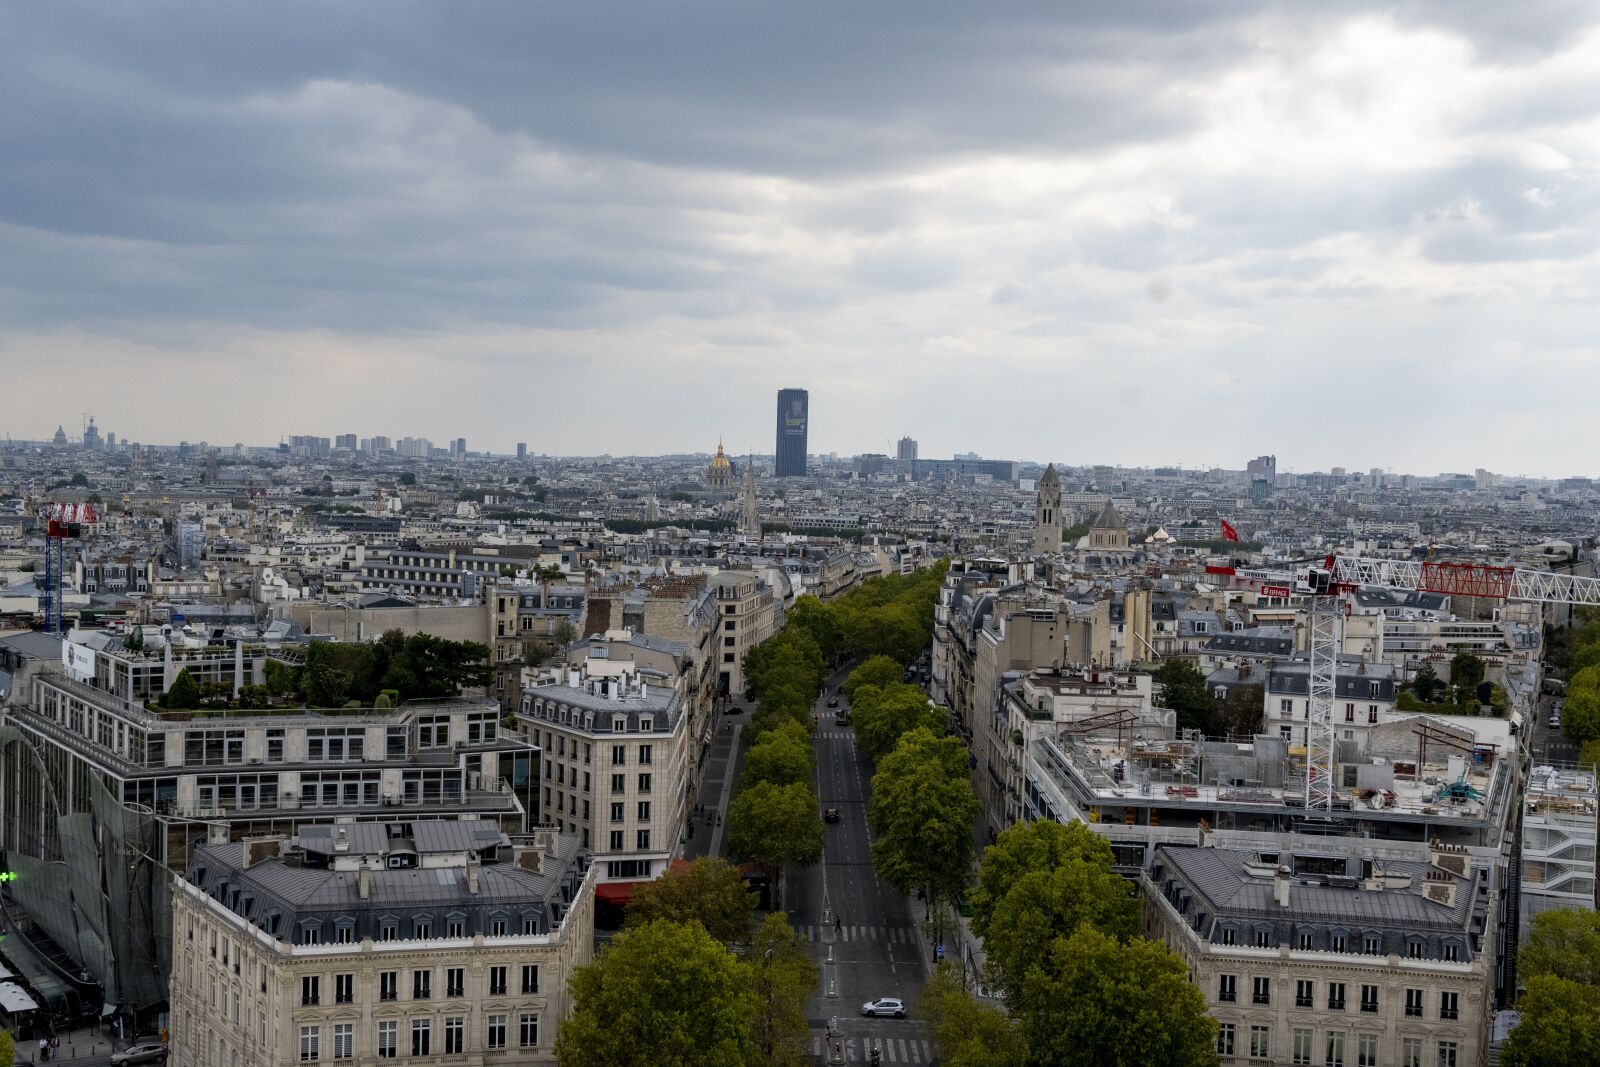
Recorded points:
(749, 519)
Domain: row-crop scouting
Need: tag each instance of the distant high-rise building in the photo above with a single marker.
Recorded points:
(111, 442)
(1263, 469)
(346, 441)
(91, 436)
(907, 449)
(381, 444)
(459, 448)
(793, 418)
(522, 450)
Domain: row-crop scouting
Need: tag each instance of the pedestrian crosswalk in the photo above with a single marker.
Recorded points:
(892, 1049)
(899, 935)
(838, 734)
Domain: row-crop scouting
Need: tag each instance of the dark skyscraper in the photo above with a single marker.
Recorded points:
(793, 416)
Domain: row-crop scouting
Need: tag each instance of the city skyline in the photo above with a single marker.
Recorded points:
(1194, 230)
(396, 447)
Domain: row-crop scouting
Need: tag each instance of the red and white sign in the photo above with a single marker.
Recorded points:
(1276, 590)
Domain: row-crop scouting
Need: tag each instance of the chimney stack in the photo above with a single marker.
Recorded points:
(472, 873)
(1280, 887)
(363, 881)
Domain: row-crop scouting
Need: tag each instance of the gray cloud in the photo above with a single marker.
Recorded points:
(886, 202)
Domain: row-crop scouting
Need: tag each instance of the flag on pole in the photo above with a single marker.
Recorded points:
(1228, 532)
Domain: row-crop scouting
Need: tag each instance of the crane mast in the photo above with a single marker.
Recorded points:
(1340, 576)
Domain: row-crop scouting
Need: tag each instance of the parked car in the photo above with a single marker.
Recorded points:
(830, 814)
(892, 1007)
(140, 1054)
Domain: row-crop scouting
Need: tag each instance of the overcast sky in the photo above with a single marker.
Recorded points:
(1160, 232)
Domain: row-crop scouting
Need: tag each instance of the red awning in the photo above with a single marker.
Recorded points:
(618, 893)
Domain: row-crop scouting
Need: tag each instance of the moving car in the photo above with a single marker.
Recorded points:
(830, 814)
(892, 1007)
(140, 1054)
(833, 702)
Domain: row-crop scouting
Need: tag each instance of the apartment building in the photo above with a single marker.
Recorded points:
(747, 613)
(615, 737)
(1416, 783)
(95, 777)
(1384, 964)
(1366, 694)
(431, 941)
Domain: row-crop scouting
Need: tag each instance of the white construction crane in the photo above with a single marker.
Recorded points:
(1338, 576)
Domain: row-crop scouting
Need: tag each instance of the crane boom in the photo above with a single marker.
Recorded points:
(1462, 578)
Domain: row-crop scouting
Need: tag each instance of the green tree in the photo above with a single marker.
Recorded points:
(1183, 689)
(922, 810)
(1560, 1025)
(8, 1048)
(1040, 881)
(881, 671)
(883, 716)
(1564, 943)
(781, 755)
(709, 891)
(784, 979)
(1580, 717)
(184, 693)
(1589, 755)
(967, 1032)
(662, 995)
(1466, 673)
(281, 678)
(1239, 713)
(1099, 1002)
(406, 478)
(817, 619)
(1426, 683)
(775, 825)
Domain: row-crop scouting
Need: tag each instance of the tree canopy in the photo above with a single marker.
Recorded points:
(922, 810)
(1564, 943)
(184, 693)
(1559, 963)
(880, 671)
(781, 756)
(1039, 882)
(969, 1033)
(1183, 689)
(883, 715)
(416, 666)
(780, 1035)
(1096, 1001)
(709, 891)
(662, 995)
(1560, 1025)
(775, 825)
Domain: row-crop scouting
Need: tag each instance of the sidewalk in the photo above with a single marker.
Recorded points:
(86, 1046)
(722, 768)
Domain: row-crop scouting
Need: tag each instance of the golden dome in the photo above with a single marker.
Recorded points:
(720, 462)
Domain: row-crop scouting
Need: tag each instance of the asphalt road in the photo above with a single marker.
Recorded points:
(1547, 745)
(874, 940)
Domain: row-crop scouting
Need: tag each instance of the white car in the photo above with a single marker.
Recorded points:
(140, 1054)
(892, 1007)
